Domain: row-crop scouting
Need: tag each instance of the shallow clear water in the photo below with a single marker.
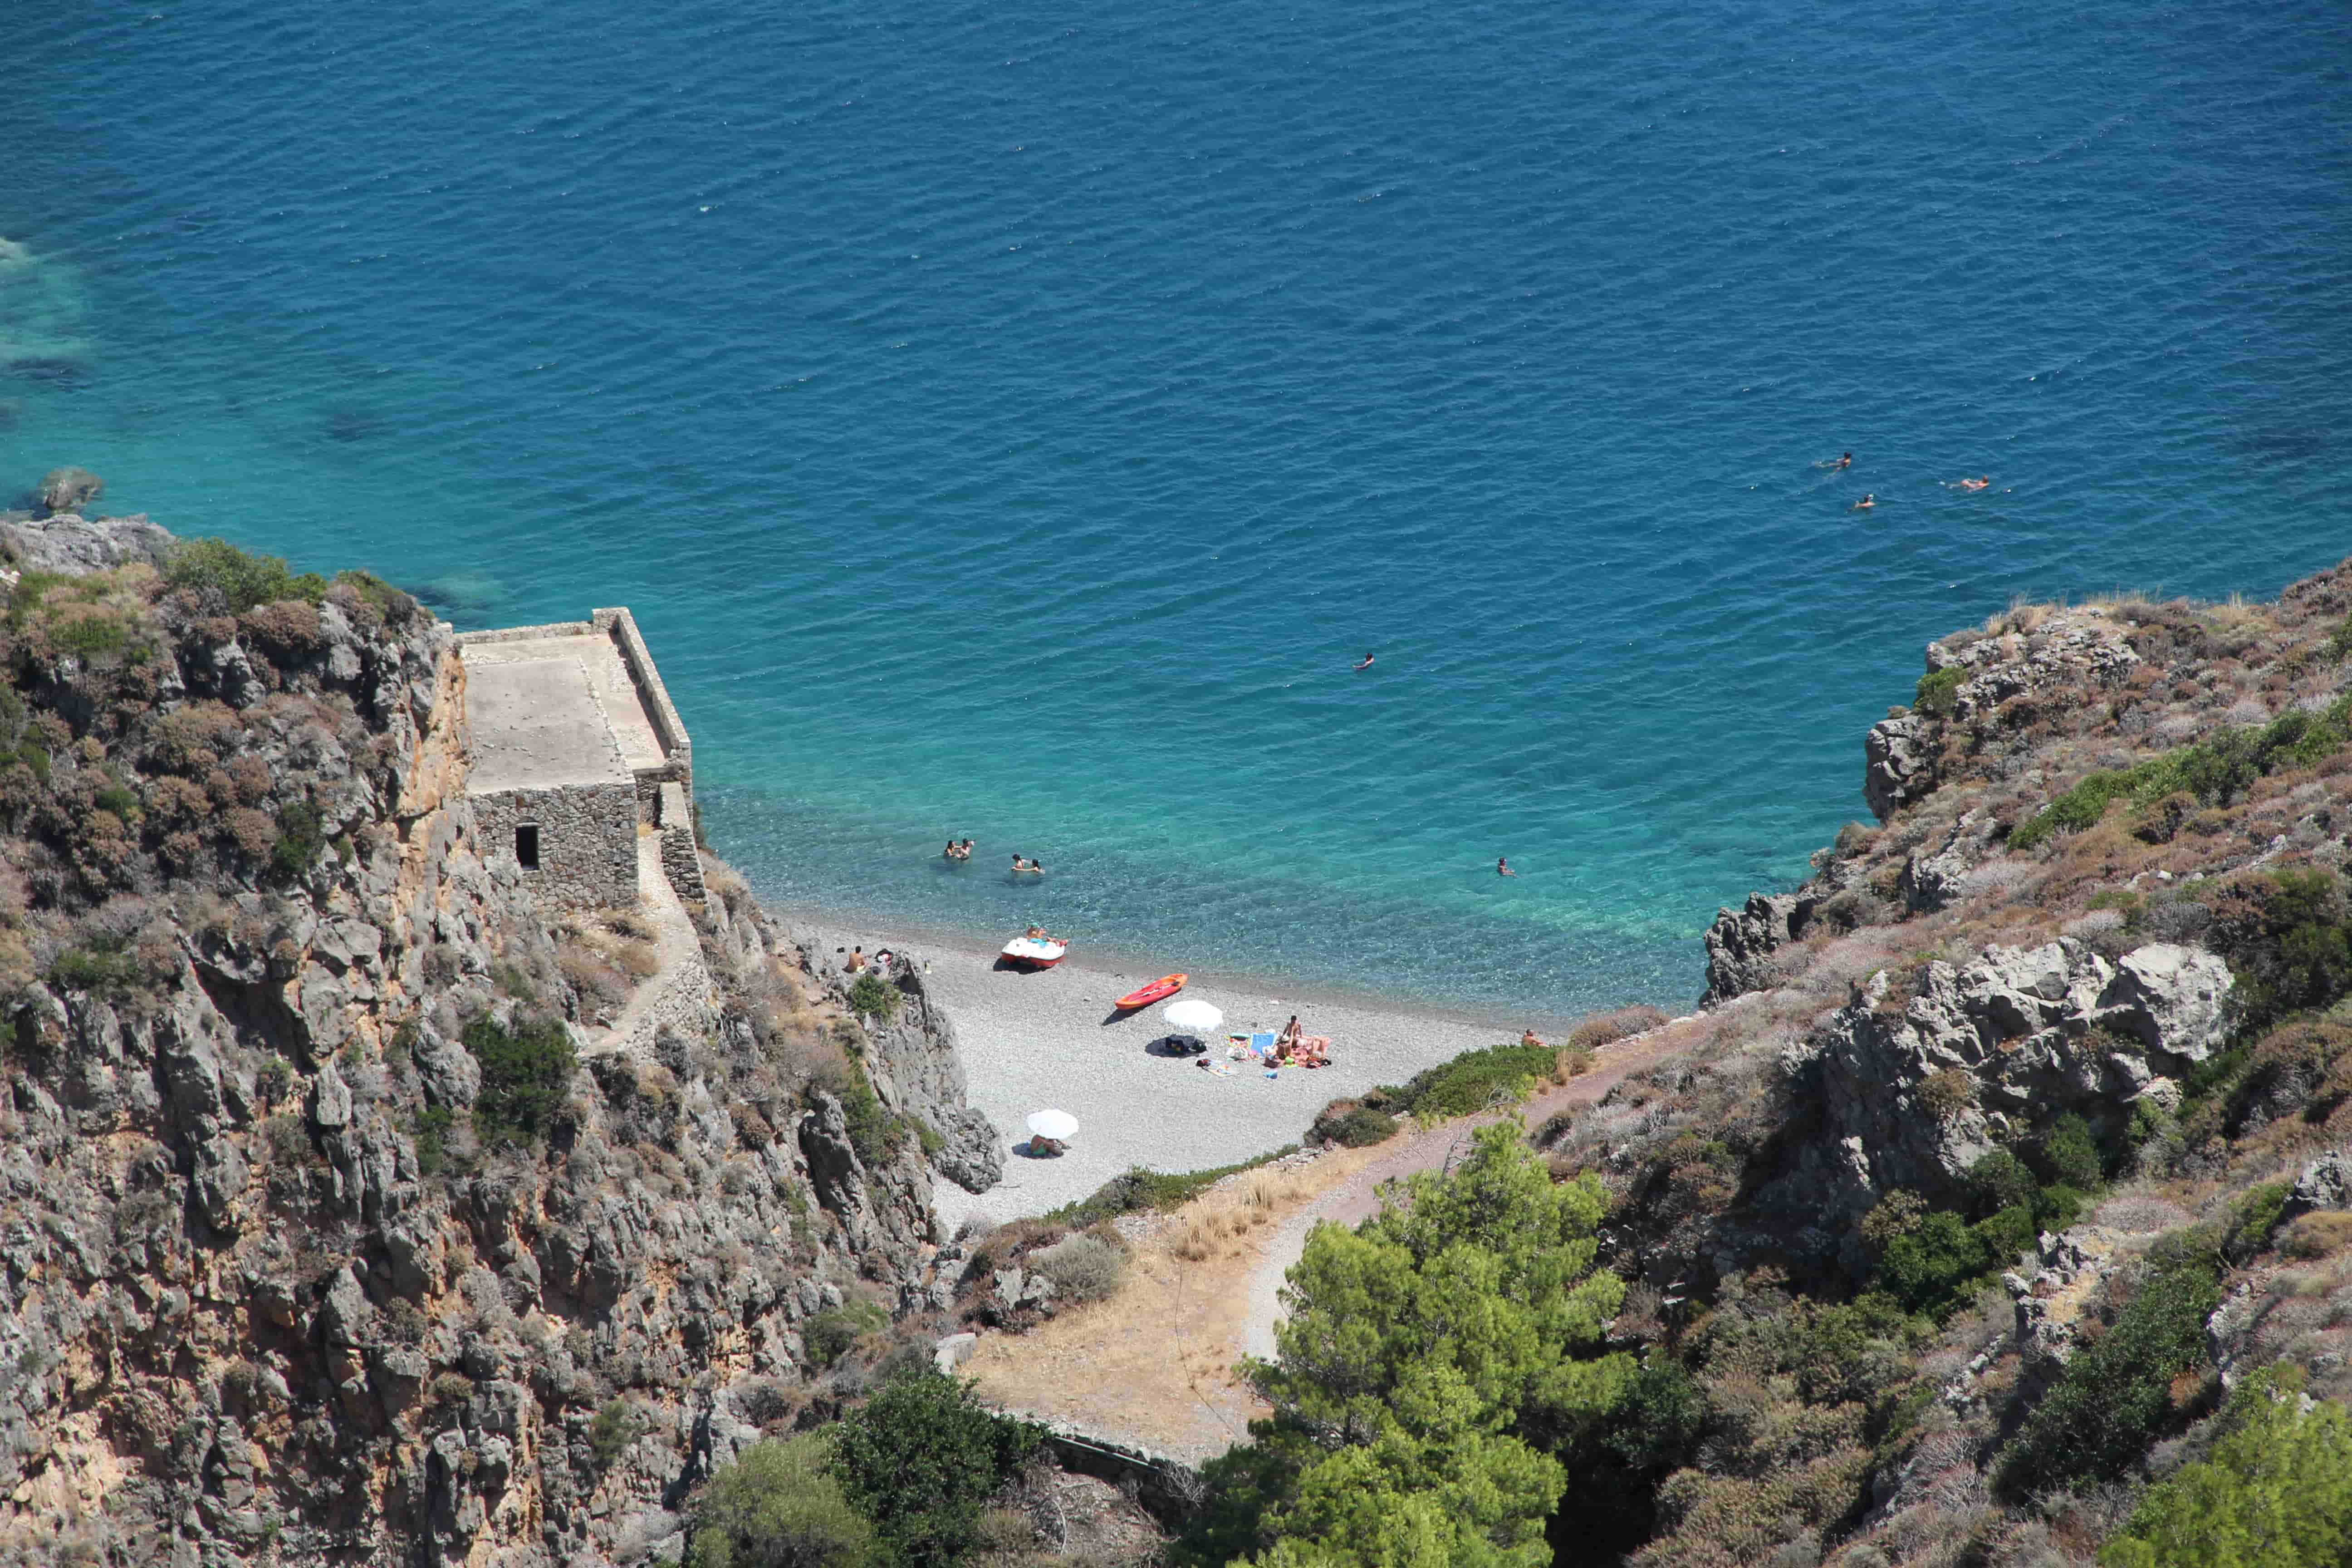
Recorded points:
(1012, 421)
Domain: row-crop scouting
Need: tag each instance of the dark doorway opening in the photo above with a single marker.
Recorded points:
(527, 846)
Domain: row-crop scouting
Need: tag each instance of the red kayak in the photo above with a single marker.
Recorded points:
(1145, 996)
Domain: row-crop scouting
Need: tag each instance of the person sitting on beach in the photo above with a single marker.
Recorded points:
(857, 960)
(1314, 1051)
(1287, 1041)
(1865, 504)
(1529, 1038)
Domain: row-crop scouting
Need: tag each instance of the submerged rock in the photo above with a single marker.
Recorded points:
(67, 490)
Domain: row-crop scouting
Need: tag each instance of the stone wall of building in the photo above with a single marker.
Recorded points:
(587, 842)
(681, 862)
(669, 730)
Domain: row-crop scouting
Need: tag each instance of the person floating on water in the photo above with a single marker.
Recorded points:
(1365, 663)
(1865, 504)
(1844, 462)
(1503, 867)
(1983, 484)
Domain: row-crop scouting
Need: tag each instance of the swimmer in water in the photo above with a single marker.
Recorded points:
(1983, 484)
(1503, 867)
(1844, 462)
(1865, 504)
(1366, 663)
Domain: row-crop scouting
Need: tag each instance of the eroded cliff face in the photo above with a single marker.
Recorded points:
(267, 1290)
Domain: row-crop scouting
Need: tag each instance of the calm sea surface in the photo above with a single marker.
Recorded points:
(1012, 421)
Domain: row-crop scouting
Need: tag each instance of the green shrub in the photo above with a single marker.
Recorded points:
(871, 996)
(2276, 1491)
(1928, 1270)
(1353, 1125)
(778, 1507)
(102, 966)
(874, 1132)
(244, 580)
(2255, 1217)
(298, 841)
(1998, 1181)
(90, 637)
(616, 1426)
(829, 1335)
(526, 1073)
(1476, 1080)
(1938, 691)
(1083, 1267)
(2097, 1421)
(2068, 1155)
(433, 1125)
(121, 802)
(922, 1458)
(1947, 1094)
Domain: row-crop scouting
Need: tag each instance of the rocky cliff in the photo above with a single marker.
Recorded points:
(327, 1231)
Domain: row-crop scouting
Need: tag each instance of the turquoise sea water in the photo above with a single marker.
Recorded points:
(1012, 421)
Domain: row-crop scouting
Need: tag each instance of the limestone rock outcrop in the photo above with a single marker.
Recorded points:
(1897, 765)
(1741, 944)
(1911, 1095)
(71, 545)
(263, 1278)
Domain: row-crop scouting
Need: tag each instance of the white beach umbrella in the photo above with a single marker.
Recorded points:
(1055, 1124)
(1193, 1015)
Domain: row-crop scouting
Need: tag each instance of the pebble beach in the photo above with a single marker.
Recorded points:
(1031, 1041)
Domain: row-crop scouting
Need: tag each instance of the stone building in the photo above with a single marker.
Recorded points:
(578, 752)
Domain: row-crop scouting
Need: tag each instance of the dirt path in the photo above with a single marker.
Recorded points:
(1154, 1366)
(1358, 1198)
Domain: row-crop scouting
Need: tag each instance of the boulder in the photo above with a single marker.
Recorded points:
(67, 490)
(1897, 765)
(2323, 1183)
(1740, 944)
(972, 1152)
(2170, 998)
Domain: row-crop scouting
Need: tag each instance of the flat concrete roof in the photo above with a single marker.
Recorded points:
(597, 662)
(536, 724)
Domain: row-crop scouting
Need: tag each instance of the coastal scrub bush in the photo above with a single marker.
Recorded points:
(2253, 1220)
(1998, 1181)
(1352, 1124)
(245, 580)
(2275, 1492)
(777, 1506)
(433, 1139)
(1139, 1190)
(1938, 690)
(1607, 1028)
(616, 1426)
(2097, 1421)
(2215, 771)
(526, 1073)
(871, 996)
(1083, 1267)
(1945, 1095)
(299, 839)
(1476, 1080)
(103, 965)
(90, 637)
(829, 1333)
(2068, 1155)
(2317, 1235)
(920, 1459)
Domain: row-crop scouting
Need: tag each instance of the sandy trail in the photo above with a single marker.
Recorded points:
(1155, 1365)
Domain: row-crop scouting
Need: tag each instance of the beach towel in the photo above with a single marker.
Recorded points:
(1262, 1042)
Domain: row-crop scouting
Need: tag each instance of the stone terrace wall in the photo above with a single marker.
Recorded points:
(587, 842)
(681, 862)
(668, 728)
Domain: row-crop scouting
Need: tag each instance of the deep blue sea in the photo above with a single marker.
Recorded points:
(1012, 421)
